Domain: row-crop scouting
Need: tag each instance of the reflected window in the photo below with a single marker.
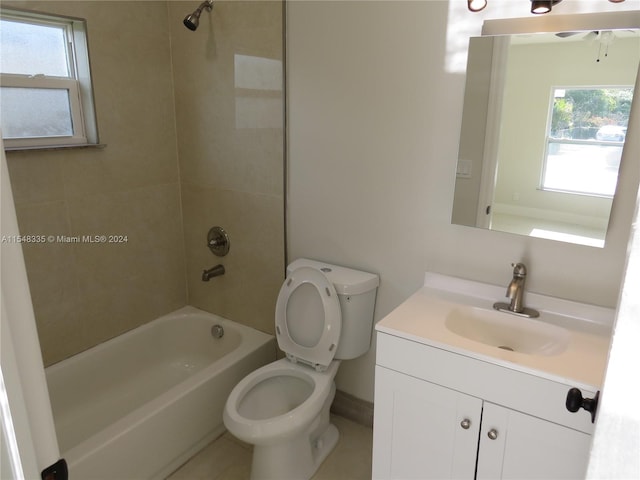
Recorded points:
(585, 135)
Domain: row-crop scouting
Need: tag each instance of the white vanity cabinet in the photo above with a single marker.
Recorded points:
(516, 445)
(423, 430)
(440, 414)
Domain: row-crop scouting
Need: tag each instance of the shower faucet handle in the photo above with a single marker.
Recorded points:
(218, 241)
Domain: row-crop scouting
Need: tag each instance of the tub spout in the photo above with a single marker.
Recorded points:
(212, 272)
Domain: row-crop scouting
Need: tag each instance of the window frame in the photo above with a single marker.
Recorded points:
(78, 84)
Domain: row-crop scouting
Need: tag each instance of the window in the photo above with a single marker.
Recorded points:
(585, 135)
(45, 83)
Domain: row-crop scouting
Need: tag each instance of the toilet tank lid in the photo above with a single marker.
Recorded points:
(346, 281)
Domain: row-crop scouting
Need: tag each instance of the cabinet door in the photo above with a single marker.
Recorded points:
(518, 446)
(422, 430)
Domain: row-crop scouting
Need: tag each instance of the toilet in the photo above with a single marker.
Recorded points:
(324, 314)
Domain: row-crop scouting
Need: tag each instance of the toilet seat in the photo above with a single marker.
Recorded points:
(268, 430)
(319, 354)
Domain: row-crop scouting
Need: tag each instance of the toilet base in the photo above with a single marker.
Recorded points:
(299, 457)
(292, 461)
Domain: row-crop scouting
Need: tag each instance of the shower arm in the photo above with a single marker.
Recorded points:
(208, 4)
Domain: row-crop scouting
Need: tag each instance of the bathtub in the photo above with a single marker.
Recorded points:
(141, 404)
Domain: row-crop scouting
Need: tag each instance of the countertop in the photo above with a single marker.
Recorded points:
(421, 318)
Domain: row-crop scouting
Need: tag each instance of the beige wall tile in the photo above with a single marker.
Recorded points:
(247, 292)
(149, 218)
(216, 147)
(85, 293)
(53, 270)
(36, 179)
(232, 168)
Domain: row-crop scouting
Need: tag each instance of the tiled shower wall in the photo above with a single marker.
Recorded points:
(159, 183)
(229, 115)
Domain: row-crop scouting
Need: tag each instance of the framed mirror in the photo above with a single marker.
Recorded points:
(544, 126)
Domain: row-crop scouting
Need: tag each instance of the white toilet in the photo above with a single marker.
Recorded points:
(324, 314)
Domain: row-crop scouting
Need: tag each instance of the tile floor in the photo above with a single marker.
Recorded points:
(229, 459)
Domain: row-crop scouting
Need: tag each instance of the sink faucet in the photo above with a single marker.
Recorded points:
(515, 292)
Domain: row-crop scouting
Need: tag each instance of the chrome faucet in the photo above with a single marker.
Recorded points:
(515, 292)
(212, 272)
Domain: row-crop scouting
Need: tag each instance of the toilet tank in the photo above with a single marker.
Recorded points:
(357, 294)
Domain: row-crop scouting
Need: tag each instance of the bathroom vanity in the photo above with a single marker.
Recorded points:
(465, 391)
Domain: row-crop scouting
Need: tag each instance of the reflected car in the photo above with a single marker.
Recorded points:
(611, 133)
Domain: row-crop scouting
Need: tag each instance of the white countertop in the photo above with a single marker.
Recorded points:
(421, 318)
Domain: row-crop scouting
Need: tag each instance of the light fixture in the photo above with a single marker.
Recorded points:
(541, 6)
(537, 6)
(476, 5)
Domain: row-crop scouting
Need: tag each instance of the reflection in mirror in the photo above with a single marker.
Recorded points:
(543, 130)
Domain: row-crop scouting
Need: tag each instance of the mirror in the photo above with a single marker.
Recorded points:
(543, 130)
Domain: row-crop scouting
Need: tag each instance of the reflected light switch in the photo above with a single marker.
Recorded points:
(464, 169)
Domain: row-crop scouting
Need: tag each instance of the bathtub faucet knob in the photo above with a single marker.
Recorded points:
(218, 241)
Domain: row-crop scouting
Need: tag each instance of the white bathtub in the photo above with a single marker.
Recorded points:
(139, 405)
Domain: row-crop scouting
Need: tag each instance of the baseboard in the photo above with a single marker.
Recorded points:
(353, 408)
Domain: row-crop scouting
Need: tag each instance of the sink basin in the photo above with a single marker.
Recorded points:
(508, 332)
(569, 340)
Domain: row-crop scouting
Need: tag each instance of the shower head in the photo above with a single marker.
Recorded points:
(192, 20)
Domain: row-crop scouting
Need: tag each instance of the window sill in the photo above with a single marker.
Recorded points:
(55, 147)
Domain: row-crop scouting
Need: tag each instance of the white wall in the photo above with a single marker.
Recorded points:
(375, 93)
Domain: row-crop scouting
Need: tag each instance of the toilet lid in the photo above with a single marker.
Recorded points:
(308, 317)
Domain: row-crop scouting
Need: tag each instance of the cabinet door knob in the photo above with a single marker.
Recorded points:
(466, 423)
(492, 434)
(575, 402)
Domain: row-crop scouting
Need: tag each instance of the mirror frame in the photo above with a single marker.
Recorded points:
(561, 23)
